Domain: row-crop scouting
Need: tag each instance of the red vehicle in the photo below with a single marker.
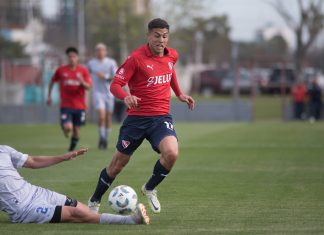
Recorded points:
(209, 82)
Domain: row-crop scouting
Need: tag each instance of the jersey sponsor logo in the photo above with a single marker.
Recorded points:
(149, 66)
(65, 75)
(161, 79)
(71, 82)
(125, 143)
(170, 66)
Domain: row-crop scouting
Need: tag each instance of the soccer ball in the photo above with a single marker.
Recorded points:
(123, 199)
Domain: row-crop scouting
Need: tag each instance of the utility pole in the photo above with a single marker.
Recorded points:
(199, 37)
(81, 29)
(122, 33)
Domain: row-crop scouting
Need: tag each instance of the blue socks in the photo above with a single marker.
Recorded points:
(73, 143)
(103, 184)
(159, 173)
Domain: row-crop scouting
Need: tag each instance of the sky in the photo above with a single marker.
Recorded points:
(245, 16)
(49, 7)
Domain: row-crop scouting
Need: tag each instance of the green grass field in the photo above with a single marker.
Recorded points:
(231, 178)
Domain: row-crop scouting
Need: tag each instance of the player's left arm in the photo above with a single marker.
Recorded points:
(86, 82)
(176, 88)
(35, 162)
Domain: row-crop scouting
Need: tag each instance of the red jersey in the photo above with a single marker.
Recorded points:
(72, 93)
(149, 77)
(299, 93)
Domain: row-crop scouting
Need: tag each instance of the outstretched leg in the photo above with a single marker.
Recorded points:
(82, 214)
(106, 177)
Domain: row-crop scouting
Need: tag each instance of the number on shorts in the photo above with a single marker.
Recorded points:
(169, 125)
(82, 116)
(42, 210)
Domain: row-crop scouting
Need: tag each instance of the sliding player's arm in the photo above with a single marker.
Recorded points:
(35, 162)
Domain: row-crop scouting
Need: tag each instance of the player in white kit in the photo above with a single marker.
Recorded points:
(27, 203)
(103, 69)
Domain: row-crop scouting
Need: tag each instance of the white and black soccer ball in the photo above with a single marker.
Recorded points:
(123, 199)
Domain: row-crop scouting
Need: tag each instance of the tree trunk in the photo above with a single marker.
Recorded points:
(299, 53)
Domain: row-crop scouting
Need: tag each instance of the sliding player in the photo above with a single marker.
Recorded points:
(27, 203)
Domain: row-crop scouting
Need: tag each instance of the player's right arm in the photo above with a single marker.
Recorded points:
(35, 162)
(123, 75)
(54, 79)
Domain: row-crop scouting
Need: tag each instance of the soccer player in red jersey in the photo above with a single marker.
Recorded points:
(149, 73)
(74, 80)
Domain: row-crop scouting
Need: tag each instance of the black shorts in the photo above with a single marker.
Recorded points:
(58, 209)
(75, 116)
(137, 128)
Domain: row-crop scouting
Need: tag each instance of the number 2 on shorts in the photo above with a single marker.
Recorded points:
(42, 210)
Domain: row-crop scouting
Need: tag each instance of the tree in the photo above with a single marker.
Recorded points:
(263, 52)
(216, 44)
(197, 34)
(306, 28)
(10, 49)
(115, 23)
(179, 13)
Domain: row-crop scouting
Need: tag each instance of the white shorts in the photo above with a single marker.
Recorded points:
(41, 208)
(102, 101)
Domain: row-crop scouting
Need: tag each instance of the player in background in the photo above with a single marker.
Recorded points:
(74, 80)
(102, 70)
(149, 73)
(27, 203)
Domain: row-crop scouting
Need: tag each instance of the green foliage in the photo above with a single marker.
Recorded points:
(231, 178)
(187, 17)
(278, 44)
(216, 42)
(104, 23)
(9, 49)
(179, 13)
(264, 52)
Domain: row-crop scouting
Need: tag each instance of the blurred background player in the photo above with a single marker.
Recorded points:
(149, 73)
(102, 69)
(315, 100)
(27, 203)
(299, 95)
(74, 80)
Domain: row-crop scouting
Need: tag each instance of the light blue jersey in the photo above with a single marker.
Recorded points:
(22, 201)
(107, 66)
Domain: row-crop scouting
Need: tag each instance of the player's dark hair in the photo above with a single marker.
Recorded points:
(71, 49)
(158, 23)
